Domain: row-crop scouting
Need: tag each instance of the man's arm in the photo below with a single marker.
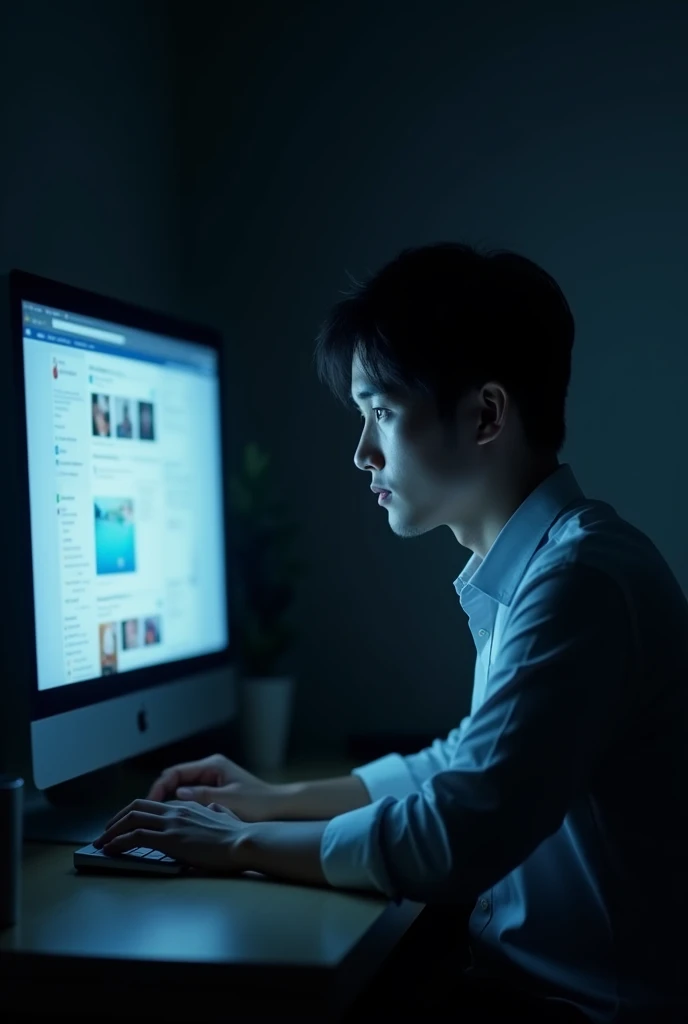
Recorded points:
(283, 849)
(392, 775)
(556, 703)
(320, 800)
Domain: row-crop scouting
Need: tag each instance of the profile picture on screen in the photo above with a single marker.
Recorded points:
(131, 634)
(124, 425)
(146, 421)
(108, 648)
(151, 630)
(100, 415)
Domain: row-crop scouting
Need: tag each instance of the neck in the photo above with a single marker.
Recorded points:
(498, 502)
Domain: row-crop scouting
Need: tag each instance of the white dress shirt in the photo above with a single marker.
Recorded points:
(560, 804)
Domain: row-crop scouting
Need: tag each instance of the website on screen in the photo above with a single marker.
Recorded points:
(125, 487)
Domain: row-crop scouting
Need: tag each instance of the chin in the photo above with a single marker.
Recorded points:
(405, 527)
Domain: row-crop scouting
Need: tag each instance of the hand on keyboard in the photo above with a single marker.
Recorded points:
(199, 836)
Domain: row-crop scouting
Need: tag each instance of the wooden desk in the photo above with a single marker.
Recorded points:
(188, 948)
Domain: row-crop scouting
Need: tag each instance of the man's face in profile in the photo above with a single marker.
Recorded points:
(427, 466)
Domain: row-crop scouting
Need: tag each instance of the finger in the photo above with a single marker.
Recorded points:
(202, 794)
(188, 773)
(162, 786)
(223, 810)
(130, 821)
(162, 841)
(219, 808)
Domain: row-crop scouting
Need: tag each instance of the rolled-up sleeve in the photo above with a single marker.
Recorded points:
(388, 776)
(397, 776)
(556, 697)
(435, 758)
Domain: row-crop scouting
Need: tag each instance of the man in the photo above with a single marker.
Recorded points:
(558, 806)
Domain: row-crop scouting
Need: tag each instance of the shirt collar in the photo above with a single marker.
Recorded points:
(499, 573)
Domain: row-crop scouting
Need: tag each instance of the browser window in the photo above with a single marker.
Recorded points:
(126, 503)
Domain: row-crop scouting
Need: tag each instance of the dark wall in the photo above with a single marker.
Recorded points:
(89, 175)
(323, 137)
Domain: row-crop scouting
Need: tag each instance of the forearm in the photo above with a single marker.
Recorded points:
(288, 850)
(322, 799)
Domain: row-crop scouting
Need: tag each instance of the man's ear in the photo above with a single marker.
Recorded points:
(493, 408)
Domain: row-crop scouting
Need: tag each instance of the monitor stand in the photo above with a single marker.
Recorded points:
(76, 812)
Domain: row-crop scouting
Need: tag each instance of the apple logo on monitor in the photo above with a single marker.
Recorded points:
(142, 720)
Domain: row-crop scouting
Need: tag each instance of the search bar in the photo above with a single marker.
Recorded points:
(88, 332)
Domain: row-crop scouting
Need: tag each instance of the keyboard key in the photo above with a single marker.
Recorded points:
(154, 855)
(140, 851)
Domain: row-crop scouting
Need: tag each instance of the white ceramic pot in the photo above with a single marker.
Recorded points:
(266, 708)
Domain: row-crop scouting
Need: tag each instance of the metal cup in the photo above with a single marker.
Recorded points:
(11, 838)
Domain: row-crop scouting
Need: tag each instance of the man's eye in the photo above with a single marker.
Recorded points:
(379, 414)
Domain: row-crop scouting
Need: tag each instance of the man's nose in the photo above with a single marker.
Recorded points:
(368, 456)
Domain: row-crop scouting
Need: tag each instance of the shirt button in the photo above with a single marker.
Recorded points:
(484, 904)
(483, 632)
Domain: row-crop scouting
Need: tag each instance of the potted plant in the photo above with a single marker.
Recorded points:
(264, 575)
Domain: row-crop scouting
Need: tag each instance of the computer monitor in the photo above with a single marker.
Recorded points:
(123, 545)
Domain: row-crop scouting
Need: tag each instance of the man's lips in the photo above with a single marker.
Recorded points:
(382, 494)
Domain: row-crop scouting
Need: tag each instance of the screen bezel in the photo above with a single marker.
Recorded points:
(44, 291)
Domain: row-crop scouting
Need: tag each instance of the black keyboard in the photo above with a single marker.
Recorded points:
(140, 859)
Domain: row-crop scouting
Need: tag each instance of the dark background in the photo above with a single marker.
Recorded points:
(234, 162)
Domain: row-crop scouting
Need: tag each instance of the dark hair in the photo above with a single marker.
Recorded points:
(443, 319)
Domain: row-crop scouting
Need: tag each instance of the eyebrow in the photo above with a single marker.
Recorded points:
(361, 395)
